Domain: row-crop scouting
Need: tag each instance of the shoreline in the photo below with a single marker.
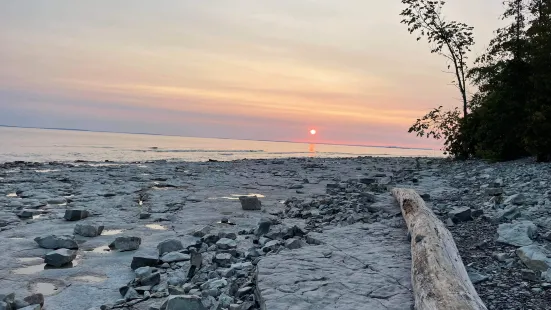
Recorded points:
(342, 205)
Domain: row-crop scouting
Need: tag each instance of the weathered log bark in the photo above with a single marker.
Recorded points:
(439, 278)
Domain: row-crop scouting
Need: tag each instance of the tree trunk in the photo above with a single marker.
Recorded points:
(438, 275)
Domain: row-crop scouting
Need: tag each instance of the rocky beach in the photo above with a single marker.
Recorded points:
(298, 233)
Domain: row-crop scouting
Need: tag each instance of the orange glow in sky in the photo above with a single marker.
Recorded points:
(242, 69)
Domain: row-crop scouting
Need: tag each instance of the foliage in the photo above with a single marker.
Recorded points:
(511, 110)
(451, 39)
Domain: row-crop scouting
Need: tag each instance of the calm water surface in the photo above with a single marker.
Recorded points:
(65, 145)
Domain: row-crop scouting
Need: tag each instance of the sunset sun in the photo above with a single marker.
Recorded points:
(313, 132)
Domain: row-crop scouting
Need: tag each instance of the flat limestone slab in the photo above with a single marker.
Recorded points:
(362, 266)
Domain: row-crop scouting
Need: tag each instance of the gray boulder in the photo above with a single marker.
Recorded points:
(517, 199)
(26, 214)
(88, 230)
(517, 233)
(535, 257)
(509, 214)
(250, 203)
(151, 280)
(57, 242)
(175, 257)
(60, 257)
(34, 299)
(144, 259)
(271, 246)
(126, 243)
(460, 215)
(263, 227)
(201, 232)
(226, 244)
(5, 306)
(170, 245)
(223, 259)
(293, 244)
(187, 302)
(75, 215)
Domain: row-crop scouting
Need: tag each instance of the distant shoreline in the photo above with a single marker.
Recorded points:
(221, 138)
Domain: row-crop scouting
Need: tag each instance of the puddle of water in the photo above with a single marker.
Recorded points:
(91, 279)
(11, 195)
(29, 269)
(29, 259)
(46, 170)
(37, 216)
(111, 232)
(38, 268)
(140, 203)
(44, 288)
(236, 196)
(155, 226)
(226, 223)
(101, 249)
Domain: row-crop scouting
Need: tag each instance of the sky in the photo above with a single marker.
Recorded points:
(246, 69)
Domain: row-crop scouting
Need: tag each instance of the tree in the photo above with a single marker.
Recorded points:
(538, 129)
(451, 39)
(502, 75)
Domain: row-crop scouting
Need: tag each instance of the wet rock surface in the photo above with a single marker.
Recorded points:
(321, 233)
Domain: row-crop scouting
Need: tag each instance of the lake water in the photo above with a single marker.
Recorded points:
(65, 145)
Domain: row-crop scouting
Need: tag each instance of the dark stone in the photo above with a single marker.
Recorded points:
(57, 242)
(144, 260)
(151, 280)
(170, 245)
(60, 257)
(250, 203)
(75, 215)
(263, 227)
(126, 243)
(35, 299)
(460, 215)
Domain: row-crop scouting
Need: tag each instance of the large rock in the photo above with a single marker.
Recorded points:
(185, 302)
(314, 277)
(60, 257)
(535, 257)
(144, 259)
(88, 230)
(293, 244)
(57, 242)
(170, 245)
(151, 280)
(223, 259)
(75, 215)
(250, 203)
(226, 244)
(460, 215)
(173, 257)
(126, 243)
(35, 299)
(517, 199)
(509, 214)
(517, 233)
(263, 227)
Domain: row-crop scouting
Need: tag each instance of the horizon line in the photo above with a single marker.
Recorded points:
(221, 138)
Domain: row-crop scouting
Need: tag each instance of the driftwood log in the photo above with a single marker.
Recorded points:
(439, 278)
